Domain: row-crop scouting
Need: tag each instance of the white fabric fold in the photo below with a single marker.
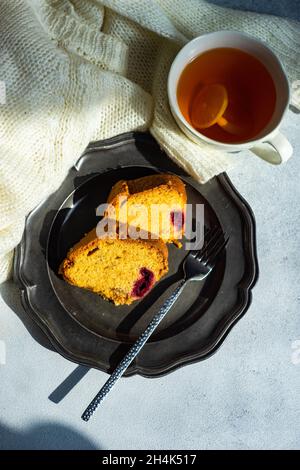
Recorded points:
(83, 70)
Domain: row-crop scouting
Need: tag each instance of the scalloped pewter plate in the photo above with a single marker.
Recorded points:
(90, 331)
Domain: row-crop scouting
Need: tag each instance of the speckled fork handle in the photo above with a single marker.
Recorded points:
(133, 352)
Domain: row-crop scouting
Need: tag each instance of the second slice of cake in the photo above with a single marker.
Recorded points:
(152, 205)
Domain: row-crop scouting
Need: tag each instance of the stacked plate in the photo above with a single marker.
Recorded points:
(91, 331)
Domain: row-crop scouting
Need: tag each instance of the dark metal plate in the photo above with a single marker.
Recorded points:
(88, 330)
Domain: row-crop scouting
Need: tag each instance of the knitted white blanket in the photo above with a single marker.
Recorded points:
(83, 70)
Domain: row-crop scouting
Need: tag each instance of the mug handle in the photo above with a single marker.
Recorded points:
(275, 150)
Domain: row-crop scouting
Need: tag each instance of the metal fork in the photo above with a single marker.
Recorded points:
(197, 266)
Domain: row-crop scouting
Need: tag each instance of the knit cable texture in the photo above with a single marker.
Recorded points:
(76, 71)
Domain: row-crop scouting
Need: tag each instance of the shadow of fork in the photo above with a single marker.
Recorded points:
(68, 384)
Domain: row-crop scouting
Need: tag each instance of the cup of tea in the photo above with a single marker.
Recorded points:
(230, 90)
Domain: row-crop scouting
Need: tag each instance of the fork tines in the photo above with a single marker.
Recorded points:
(215, 243)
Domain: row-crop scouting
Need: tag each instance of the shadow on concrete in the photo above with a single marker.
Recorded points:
(44, 436)
(286, 8)
(68, 384)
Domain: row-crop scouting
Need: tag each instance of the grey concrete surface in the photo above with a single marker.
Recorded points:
(245, 396)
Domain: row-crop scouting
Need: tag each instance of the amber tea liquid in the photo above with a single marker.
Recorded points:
(250, 87)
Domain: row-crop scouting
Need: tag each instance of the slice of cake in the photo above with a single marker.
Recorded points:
(118, 270)
(153, 204)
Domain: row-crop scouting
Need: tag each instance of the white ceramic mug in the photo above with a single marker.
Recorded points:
(270, 144)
